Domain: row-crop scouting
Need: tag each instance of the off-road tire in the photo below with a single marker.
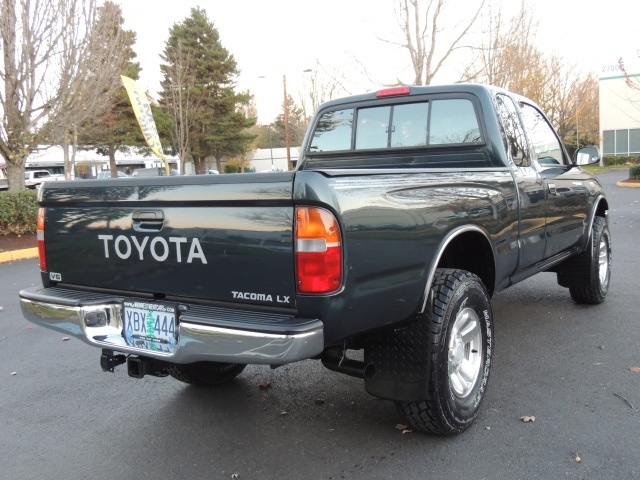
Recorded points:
(206, 374)
(460, 326)
(591, 271)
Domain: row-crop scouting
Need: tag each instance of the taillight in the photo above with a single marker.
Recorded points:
(318, 251)
(40, 238)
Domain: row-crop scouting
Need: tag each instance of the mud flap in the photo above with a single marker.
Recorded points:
(400, 360)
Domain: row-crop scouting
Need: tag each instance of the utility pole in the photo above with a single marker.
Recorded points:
(287, 136)
(271, 147)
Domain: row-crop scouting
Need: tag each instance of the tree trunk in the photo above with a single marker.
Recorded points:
(219, 163)
(65, 156)
(74, 148)
(112, 161)
(15, 175)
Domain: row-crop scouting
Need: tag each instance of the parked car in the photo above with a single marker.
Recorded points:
(107, 174)
(4, 182)
(33, 178)
(153, 172)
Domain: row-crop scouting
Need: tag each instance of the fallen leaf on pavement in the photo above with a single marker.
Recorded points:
(265, 384)
(64, 339)
(578, 459)
(528, 419)
(29, 327)
(635, 369)
(14, 373)
(399, 426)
(283, 413)
(235, 475)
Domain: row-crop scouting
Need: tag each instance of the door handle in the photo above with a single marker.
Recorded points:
(148, 220)
(552, 188)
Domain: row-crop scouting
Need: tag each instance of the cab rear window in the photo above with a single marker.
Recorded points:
(451, 121)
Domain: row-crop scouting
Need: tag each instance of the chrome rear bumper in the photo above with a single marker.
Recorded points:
(205, 334)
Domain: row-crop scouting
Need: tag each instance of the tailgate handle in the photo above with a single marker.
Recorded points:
(148, 220)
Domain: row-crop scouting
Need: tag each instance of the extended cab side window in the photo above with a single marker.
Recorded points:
(511, 131)
(453, 121)
(544, 142)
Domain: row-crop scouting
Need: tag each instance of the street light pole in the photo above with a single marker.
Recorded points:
(287, 135)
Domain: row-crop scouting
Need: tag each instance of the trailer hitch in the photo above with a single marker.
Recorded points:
(109, 361)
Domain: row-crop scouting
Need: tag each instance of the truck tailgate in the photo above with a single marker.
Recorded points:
(220, 238)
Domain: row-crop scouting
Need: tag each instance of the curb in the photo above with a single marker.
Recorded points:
(628, 185)
(15, 255)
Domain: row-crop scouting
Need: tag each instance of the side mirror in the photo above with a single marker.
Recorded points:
(587, 156)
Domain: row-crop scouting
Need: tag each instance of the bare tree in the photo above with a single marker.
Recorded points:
(508, 57)
(632, 95)
(506, 49)
(632, 82)
(51, 73)
(101, 55)
(181, 99)
(423, 25)
(319, 86)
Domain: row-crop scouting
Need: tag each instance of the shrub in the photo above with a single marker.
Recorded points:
(634, 172)
(610, 160)
(18, 212)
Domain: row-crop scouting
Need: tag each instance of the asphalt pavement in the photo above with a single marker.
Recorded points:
(571, 367)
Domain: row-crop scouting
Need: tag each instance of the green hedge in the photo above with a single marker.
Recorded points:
(634, 172)
(610, 160)
(18, 212)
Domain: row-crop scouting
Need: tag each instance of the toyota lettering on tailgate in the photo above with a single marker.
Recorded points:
(159, 248)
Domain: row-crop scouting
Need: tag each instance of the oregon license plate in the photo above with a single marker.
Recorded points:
(150, 325)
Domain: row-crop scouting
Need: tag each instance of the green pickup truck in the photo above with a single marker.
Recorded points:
(408, 209)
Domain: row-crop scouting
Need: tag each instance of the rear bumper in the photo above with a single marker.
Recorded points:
(205, 334)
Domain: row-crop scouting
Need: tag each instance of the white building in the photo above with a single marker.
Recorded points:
(52, 158)
(620, 106)
(273, 159)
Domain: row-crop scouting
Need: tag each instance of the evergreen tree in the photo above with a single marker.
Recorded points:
(198, 91)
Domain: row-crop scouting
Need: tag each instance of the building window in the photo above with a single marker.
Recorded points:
(621, 142)
(634, 141)
(609, 142)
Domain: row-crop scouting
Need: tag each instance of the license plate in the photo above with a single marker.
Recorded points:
(150, 325)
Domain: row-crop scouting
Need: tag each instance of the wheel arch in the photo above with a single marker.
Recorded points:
(466, 248)
(600, 209)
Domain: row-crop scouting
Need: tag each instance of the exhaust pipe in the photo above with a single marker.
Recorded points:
(335, 359)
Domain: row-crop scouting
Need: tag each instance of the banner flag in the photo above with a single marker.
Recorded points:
(142, 109)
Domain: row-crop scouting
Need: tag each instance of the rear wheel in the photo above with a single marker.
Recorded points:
(460, 326)
(206, 374)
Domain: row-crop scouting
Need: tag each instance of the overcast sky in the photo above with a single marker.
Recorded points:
(273, 38)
